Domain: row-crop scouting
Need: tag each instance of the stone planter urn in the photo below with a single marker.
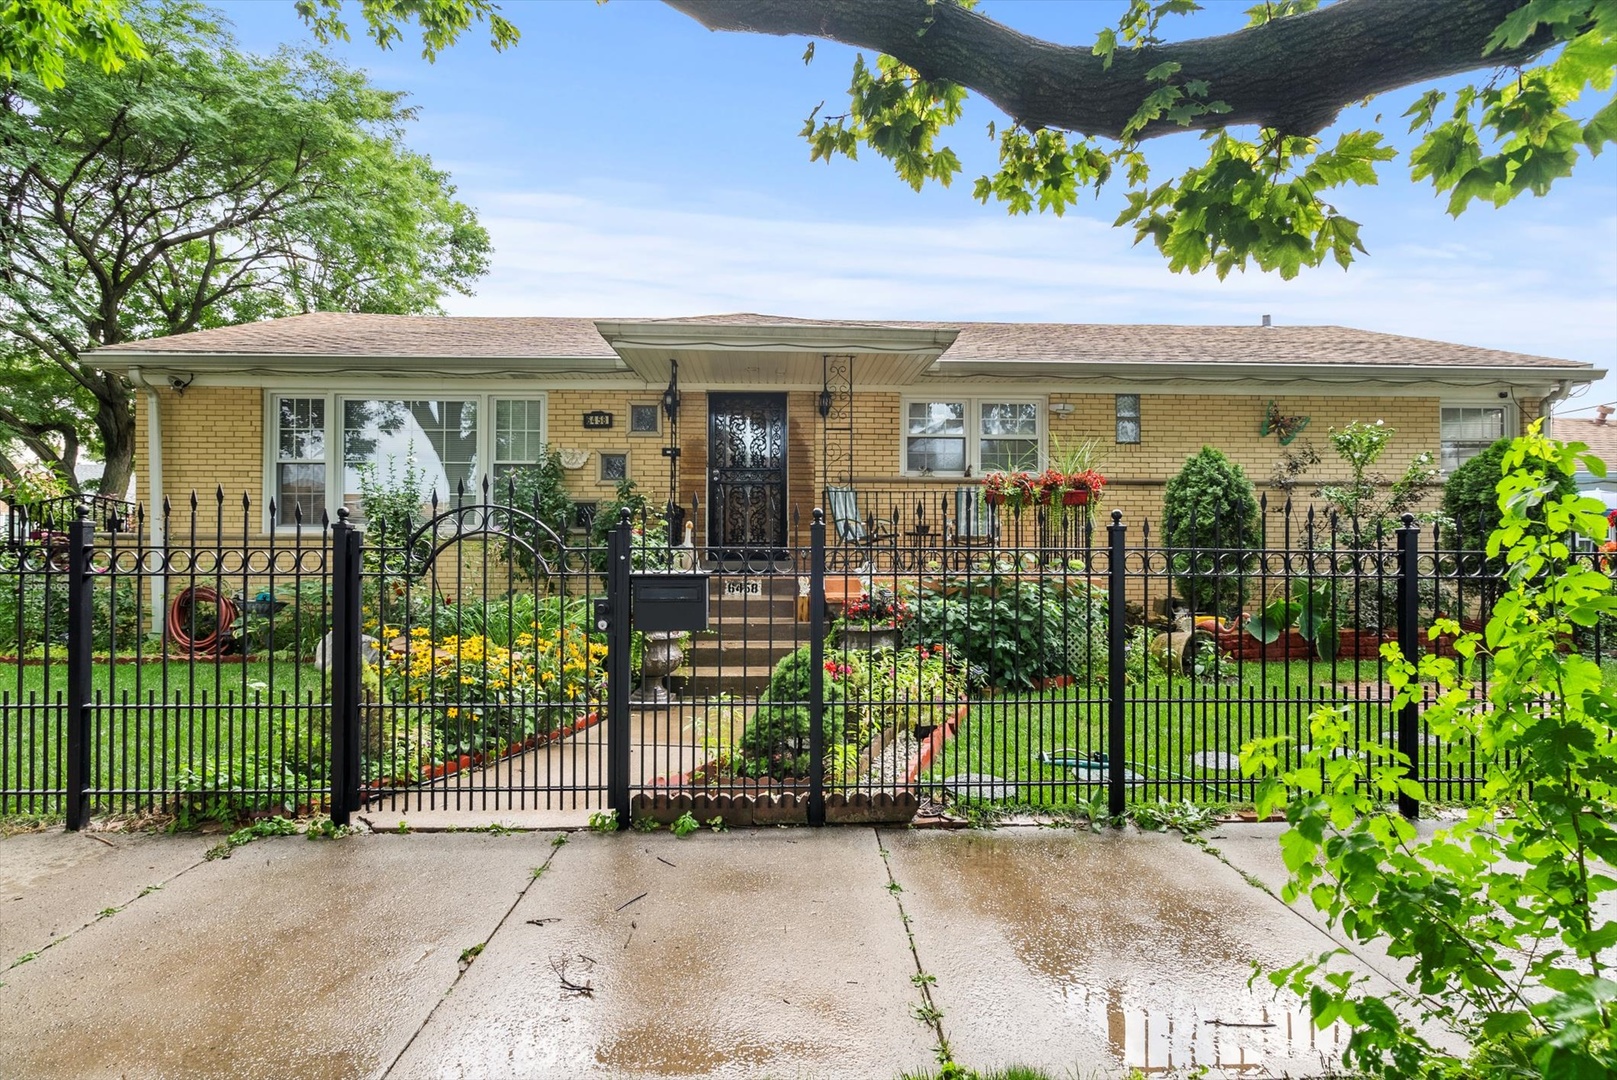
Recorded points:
(660, 656)
(870, 637)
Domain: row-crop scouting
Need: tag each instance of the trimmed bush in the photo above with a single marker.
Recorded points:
(1471, 498)
(1210, 504)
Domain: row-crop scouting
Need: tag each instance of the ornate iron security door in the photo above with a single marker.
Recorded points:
(747, 471)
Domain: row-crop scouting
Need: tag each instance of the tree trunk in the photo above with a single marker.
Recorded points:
(115, 420)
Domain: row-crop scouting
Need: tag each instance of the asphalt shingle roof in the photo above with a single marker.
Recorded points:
(343, 334)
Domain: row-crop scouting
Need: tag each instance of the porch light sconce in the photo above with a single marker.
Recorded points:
(671, 395)
(824, 403)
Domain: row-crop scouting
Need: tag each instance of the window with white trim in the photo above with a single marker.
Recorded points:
(986, 434)
(1467, 430)
(299, 479)
(318, 443)
(519, 435)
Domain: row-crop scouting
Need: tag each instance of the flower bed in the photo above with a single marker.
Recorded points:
(450, 703)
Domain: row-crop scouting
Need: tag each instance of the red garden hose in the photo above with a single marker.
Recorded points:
(179, 621)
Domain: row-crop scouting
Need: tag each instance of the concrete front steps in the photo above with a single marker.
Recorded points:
(753, 626)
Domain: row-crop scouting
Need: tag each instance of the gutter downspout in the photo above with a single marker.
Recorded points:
(1546, 408)
(154, 482)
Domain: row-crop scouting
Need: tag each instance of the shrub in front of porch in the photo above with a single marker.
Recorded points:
(776, 740)
(1209, 523)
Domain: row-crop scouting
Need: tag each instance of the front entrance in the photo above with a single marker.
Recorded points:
(746, 472)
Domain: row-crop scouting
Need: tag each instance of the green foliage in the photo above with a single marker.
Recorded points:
(1210, 503)
(33, 610)
(208, 187)
(650, 542)
(391, 494)
(604, 821)
(1011, 631)
(40, 37)
(539, 490)
(275, 826)
(776, 739)
(1496, 917)
(684, 825)
(1264, 200)
(1369, 508)
(441, 21)
(1471, 499)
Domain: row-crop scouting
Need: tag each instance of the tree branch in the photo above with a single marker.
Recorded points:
(1293, 74)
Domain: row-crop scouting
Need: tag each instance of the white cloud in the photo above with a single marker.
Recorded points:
(622, 251)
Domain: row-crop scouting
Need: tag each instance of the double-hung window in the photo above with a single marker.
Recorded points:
(298, 485)
(1467, 431)
(325, 444)
(947, 436)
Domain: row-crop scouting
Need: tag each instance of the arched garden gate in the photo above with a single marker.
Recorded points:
(469, 673)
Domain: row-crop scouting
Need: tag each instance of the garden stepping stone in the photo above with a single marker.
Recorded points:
(1216, 761)
(979, 786)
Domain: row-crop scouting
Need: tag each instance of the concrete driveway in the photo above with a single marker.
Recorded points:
(843, 952)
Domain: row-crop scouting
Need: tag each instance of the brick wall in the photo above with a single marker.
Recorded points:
(213, 436)
(1173, 427)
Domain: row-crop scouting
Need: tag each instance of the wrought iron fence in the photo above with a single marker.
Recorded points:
(475, 658)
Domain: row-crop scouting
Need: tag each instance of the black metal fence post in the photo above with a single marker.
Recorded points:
(1116, 639)
(80, 538)
(1409, 645)
(345, 660)
(816, 703)
(618, 671)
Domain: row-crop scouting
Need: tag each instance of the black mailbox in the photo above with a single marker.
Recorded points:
(675, 601)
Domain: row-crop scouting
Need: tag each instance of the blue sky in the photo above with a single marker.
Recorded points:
(628, 162)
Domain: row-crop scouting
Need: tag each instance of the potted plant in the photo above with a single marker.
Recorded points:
(1076, 463)
(996, 488)
(874, 621)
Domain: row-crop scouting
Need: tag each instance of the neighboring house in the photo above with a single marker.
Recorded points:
(771, 411)
(1600, 435)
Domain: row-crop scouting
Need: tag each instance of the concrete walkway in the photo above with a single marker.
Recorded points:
(841, 952)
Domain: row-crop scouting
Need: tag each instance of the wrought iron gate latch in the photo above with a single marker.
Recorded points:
(603, 615)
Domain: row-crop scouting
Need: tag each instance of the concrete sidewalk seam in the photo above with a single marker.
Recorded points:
(533, 879)
(35, 954)
(931, 1015)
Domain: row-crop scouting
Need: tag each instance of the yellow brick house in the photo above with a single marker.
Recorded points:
(768, 412)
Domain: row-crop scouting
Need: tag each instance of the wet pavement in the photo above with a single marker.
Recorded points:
(753, 953)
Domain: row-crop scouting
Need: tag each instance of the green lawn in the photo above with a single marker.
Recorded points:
(214, 727)
(1047, 743)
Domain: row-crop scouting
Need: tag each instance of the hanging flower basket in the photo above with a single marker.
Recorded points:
(1075, 497)
(994, 498)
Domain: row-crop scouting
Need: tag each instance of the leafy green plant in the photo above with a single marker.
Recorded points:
(275, 826)
(1471, 501)
(1011, 630)
(1209, 504)
(1311, 607)
(1494, 918)
(717, 824)
(540, 491)
(776, 739)
(323, 828)
(604, 821)
(684, 825)
(1368, 507)
(646, 824)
